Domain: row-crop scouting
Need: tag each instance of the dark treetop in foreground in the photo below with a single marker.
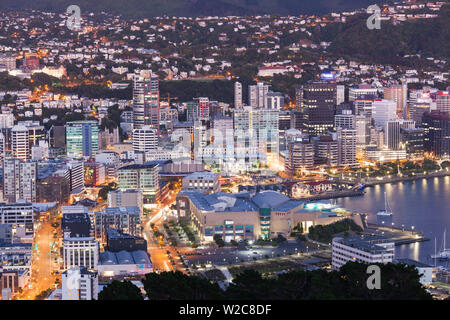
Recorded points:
(398, 282)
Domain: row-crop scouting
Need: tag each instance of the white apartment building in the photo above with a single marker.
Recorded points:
(426, 271)
(20, 216)
(79, 284)
(365, 249)
(40, 151)
(20, 142)
(257, 95)
(19, 180)
(82, 252)
(346, 139)
(6, 120)
(340, 94)
(238, 95)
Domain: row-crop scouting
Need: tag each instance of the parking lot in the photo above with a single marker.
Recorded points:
(232, 255)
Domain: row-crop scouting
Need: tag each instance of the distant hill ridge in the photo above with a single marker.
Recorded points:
(151, 8)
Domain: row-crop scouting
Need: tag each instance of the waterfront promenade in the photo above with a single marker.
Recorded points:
(371, 181)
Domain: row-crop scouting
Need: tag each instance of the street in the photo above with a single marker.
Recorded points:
(42, 265)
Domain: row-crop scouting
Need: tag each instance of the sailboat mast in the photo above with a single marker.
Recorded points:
(435, 253)
(385, 202)
(445, 231)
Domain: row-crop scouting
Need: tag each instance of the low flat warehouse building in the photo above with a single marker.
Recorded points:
(365, 249)
(249, 215)
(124, 263)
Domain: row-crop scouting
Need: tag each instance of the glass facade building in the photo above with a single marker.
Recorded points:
(82, 138)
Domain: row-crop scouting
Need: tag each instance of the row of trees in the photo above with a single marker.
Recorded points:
(325, 233)
(398, 281)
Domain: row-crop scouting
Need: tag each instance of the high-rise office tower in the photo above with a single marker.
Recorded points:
(237, 95)
(345, 120)
(393, 132)
(398, 93)
(19, 180)
(145, 139)
(363, 106)
(362, 127)
(75, 175)
(20, 142)
(82, 138)
(203, 108)
(412, 140)
(143, 177)
(201, 138)
(36, 132)
(417, 109)
(383, 111)
(318, 103)
(326, 151)
(436, 126)
(362, 91)
(443, 101)
(146, 100)
(347, 146)
(300, 157)
(2, 148)
(257, 95)
(256, 135)
(340, 94)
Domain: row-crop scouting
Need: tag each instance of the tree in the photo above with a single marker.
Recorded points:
(179, 286)
(219, 241)
(43, 294)
(445, 164)
(118, 290)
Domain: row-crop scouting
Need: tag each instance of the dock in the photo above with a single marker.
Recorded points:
(334, 195)
(399, 236)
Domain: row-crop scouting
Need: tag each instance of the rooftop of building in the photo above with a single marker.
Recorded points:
(121, 210)
(147, 165)
(16, 245)
(366, 243)
(124, 257)
(114, 234)
(243, 202)
(202, 175)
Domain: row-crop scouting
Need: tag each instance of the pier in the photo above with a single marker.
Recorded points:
(334, 195)
(398, 235)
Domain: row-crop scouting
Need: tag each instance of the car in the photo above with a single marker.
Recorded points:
(254, 252)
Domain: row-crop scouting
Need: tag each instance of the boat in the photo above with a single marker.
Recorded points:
(386, 211)
(443, 254)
